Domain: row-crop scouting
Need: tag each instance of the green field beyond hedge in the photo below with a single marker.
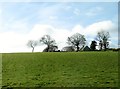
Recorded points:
(60, 69)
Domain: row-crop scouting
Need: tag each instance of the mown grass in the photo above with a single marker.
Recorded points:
(0, 70)
(65, 69)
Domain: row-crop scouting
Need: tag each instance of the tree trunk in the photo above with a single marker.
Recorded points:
(105, 47)
(77, 48)
(32, 49)
(48, 48)
(100, 46)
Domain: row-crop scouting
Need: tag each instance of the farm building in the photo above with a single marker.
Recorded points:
(51, 49)
(86, 48)
(68, 49)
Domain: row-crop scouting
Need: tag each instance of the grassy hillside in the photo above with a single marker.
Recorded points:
(74, 69)
(0, 70)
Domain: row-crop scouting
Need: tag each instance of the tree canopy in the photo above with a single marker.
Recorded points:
(32, 44)
(47, 40)
(77, 40)
(93, 45)
(103, 38)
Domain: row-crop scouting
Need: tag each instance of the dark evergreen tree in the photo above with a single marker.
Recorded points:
(93, 45)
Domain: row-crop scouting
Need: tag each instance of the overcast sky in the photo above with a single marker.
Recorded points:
(23, 21)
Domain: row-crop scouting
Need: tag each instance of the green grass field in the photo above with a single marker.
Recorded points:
(0, 70)
(65, 69)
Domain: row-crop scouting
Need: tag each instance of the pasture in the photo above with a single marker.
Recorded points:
(60, 69)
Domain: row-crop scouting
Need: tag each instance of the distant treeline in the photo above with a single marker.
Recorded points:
(114, 49)
(76, 42)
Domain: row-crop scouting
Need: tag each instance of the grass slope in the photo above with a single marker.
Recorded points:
(67, 69)
(0, 70)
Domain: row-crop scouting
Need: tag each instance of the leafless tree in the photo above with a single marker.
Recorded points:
(103, 38)
(77, 40)
(32, 44)
(47, 40)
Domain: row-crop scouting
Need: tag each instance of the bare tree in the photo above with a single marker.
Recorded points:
(32, 44)
(103, 38)
(47, 40)
(77, 40)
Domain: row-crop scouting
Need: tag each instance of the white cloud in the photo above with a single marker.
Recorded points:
(76, 11)
(11, 41)
(90, 31)
(17, 26)
(98, 26)
(39, 30)
(78, 28)
(59, 35)
(47, 11)
(94, 11)
(16, 42)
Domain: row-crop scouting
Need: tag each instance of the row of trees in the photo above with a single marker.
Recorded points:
(77, 41)
(103, 38)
